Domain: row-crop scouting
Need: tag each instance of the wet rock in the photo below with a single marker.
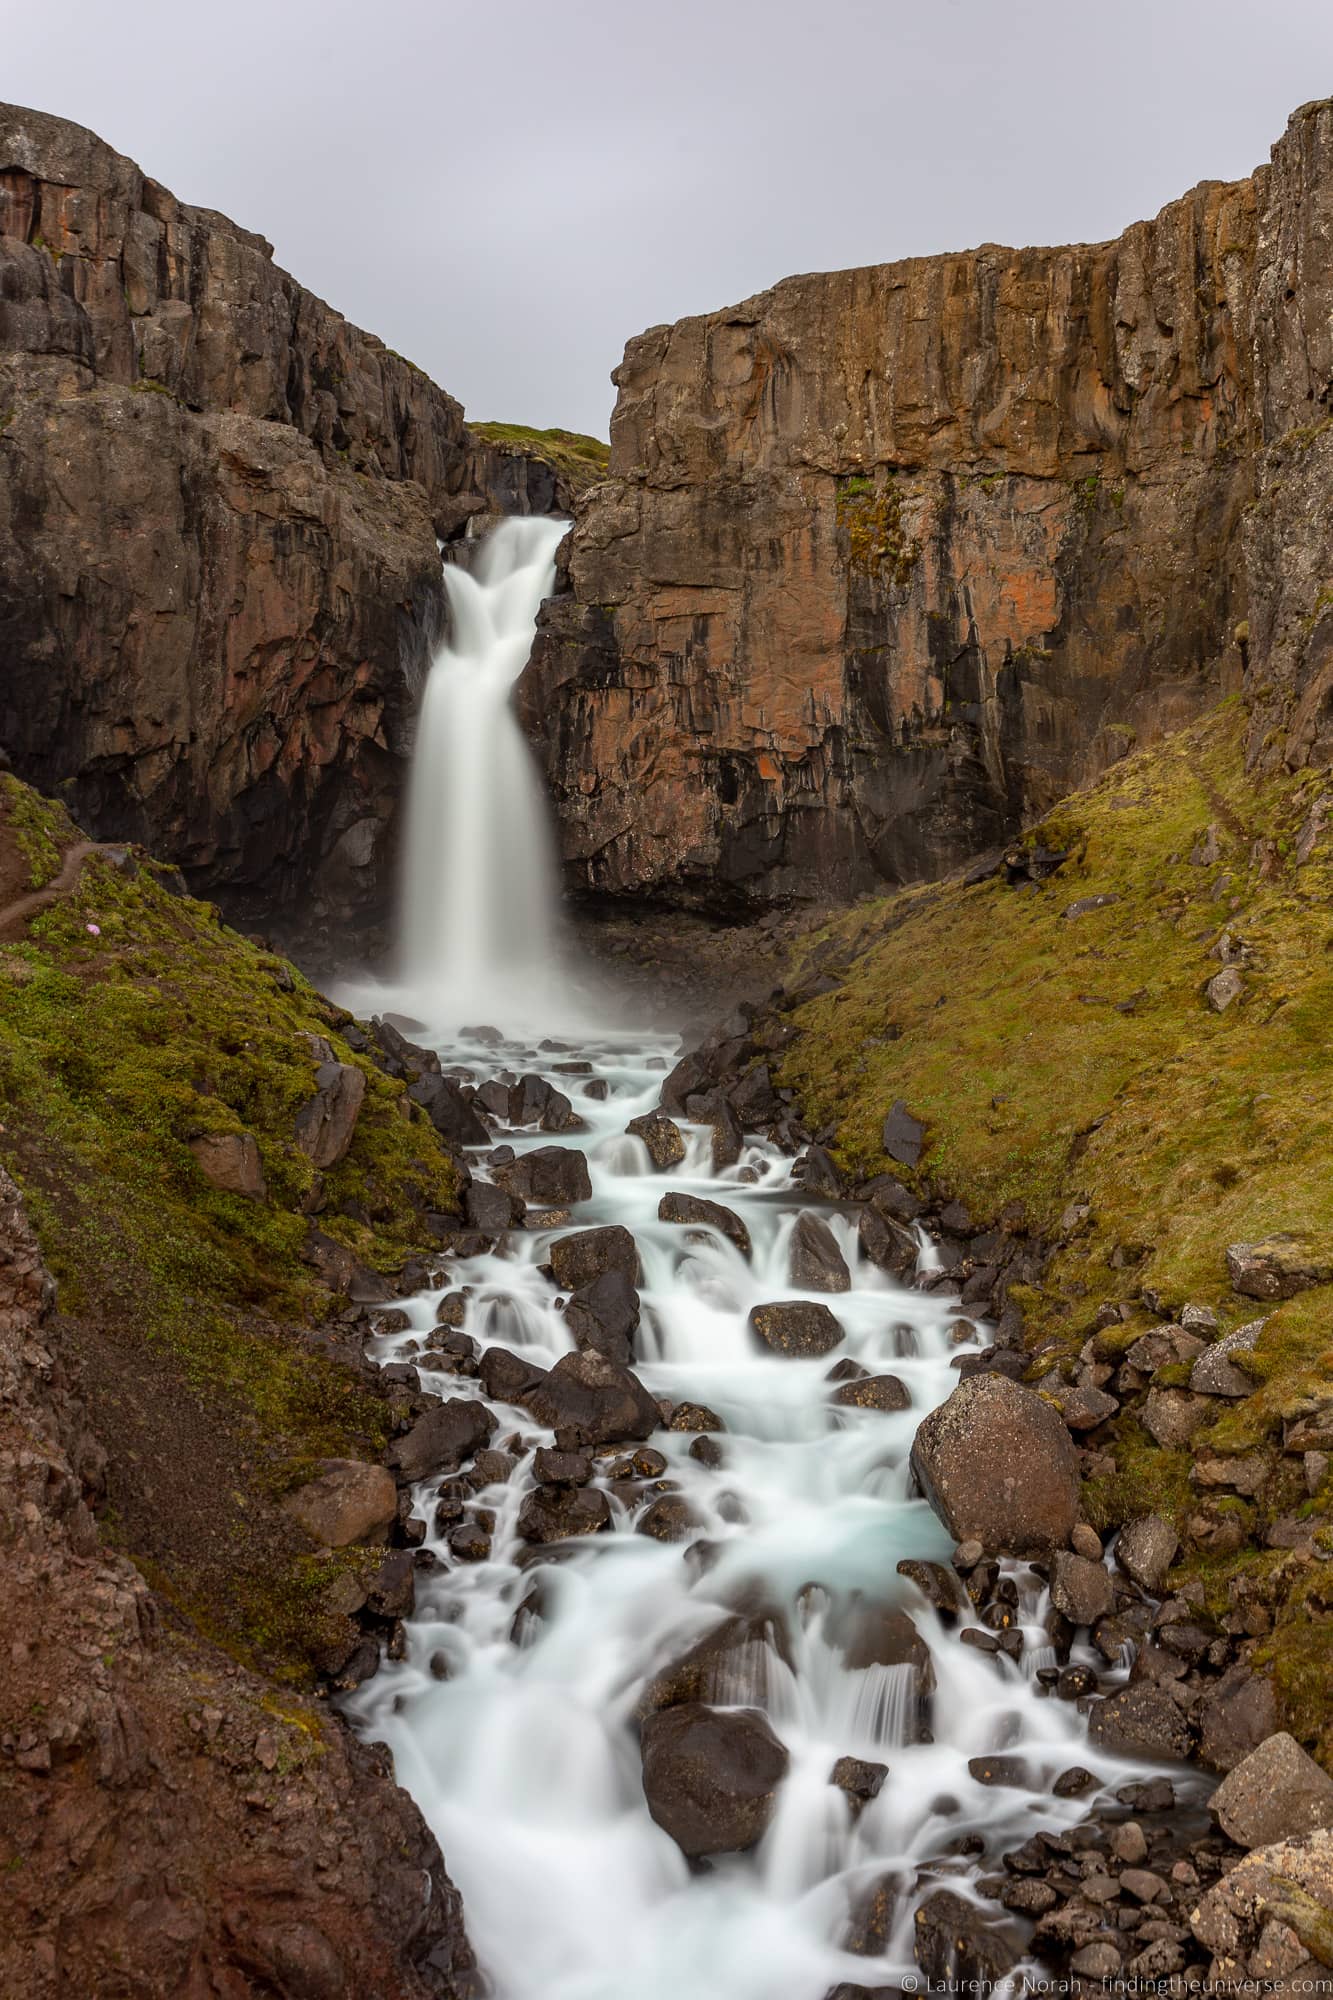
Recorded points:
(997, 1464)
(1216, 1372)
(1276, 1267)
(903, 1136)
(939, 1585)
(391, 1592)
(1146, 1549)
(448, 1110)
(708, 1452)
(1073, 1783)
(491, 1209)
(1000, 1771)
(879, 1635)
(452, 1309)
(711, 1776)
(605, 1315)
(887, 1243)
(326, 1123)
(1274, 1794)
(346, 1502)
(669, 1518)
(558, 1513)
(492, 1468)
(441, 1440)
(508, 1377)
(1026, 1897)
(870, 1923)
(817, 1173)
(662, 1136)
(469, 1542)
(230, 1162)
(551, 1176)
(561, 1468)
(692, 1210)
(695, 1417)
(1142, 1719)
(874, 1392)
(1073, 1682)
(1085, 1541)
(796, 1328)
(954, 1942)
(596, 1396)
(860, 1780)
(1079, 1588)
(816, 1263)
(730, 1664)
(589, 1254)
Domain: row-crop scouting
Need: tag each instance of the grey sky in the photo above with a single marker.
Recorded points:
(505, 190)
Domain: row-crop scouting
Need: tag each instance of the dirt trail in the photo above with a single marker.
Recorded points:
(14, 915)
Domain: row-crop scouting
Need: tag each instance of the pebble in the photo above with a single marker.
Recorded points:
(967, 1555)
(1129, 1843)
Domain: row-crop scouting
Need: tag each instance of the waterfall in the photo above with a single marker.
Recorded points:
(479, 934)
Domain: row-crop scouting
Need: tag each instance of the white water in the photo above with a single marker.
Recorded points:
(524, 1759)
(479, 932)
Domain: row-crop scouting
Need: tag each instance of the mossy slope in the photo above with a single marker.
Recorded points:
(583, 460)
(131, 1022)
(1066, 1059)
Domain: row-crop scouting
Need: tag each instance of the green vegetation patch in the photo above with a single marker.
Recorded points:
(582, 460)
(133, 1021)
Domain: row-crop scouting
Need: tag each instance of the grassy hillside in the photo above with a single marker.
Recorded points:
(132, 1021)
(1059, 1043)
(583, 460)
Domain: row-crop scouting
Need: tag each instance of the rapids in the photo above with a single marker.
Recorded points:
(515, 1733)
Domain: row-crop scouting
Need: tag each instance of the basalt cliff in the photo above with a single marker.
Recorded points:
(890, 559)
(219, 512)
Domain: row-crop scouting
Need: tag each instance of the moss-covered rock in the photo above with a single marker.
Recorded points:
(133, 1025)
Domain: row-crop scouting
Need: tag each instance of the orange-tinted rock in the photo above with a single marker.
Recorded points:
(890, 558)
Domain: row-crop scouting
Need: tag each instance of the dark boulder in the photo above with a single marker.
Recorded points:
(558, 1513)
(595, 1397)
(1081, 1589)
(441, 1440)
(550, 1176)
(663, 1138)
(692, 1210)
(1142, 1719)
(959, 1947)
(326, 1123)
(711, 1776)
(604, 1315)
(859, 1780)
(796, 1328)
(997, 1464)
(1238, 1713)
(448, 1110)
(590, 1253)
(509, 1377)
(668, 1518)
(816, 1263)
(490, 1209)
(903, 1136)
(874, 1392)
(729, 1664)
(887, 1243)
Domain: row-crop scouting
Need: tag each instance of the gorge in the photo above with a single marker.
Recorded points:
(814, 1506)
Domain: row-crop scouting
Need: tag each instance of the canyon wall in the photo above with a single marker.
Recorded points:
(219, 508)
(889, 559)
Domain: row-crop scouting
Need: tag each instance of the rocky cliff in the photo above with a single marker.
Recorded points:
(219, 505)
(890, 558)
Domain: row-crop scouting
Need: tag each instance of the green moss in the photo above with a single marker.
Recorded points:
(582, 460)
(40, 828)
(1061, 1060)
(132, 1022)
(870, 521)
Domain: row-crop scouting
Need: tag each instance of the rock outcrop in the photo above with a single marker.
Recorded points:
(889, 558)
(219, 505)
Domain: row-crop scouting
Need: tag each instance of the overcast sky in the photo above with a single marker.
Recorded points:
(506, 190)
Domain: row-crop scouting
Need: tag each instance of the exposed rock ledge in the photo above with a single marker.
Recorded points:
(890, 558)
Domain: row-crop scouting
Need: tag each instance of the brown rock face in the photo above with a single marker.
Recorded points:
(170, 1828)
(219, 506)
(889, 558)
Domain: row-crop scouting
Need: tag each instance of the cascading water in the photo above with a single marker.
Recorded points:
(479, 928)
(512, 1714)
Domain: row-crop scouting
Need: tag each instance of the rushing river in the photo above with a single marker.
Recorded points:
(512, 1716)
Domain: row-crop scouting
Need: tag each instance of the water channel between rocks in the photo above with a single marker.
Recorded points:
(513, 1718)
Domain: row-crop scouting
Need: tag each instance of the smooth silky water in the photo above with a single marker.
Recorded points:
(524, 1759)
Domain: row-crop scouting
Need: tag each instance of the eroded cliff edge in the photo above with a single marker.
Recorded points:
(889, 559)
(219, 511)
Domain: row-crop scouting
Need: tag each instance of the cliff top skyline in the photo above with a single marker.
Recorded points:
(601, 173)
